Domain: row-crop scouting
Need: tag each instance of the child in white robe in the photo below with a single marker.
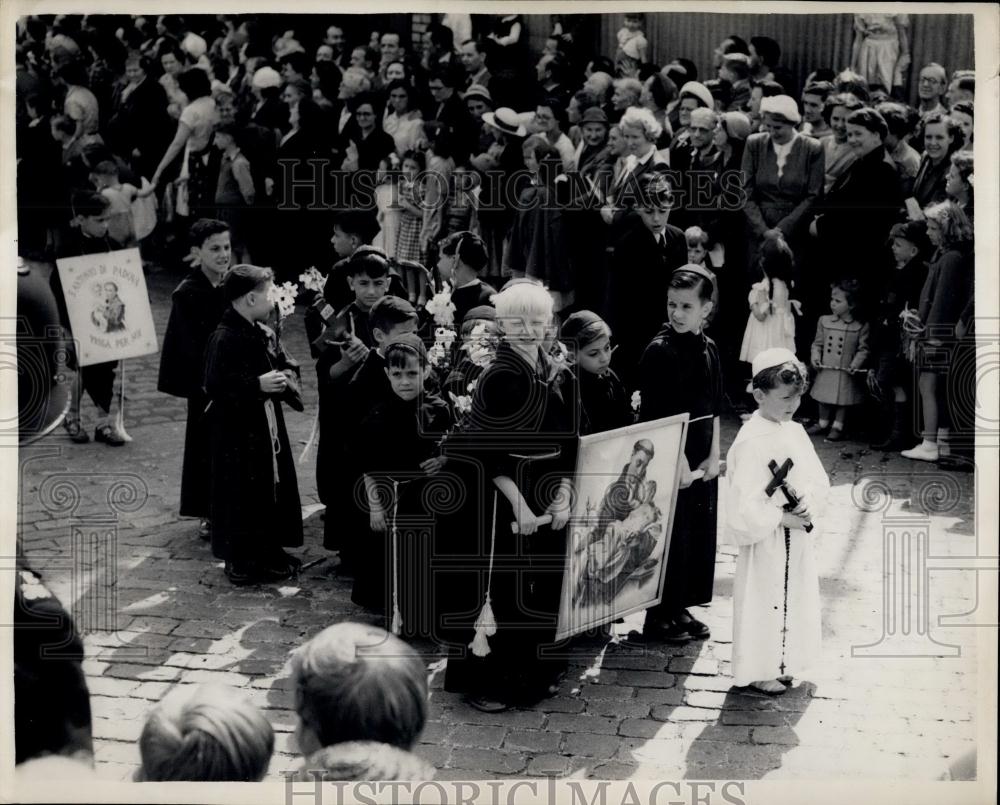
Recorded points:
(756, 523)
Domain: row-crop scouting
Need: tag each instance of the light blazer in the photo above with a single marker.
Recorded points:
(781, 204)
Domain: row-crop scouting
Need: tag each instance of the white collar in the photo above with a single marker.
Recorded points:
(469, 284)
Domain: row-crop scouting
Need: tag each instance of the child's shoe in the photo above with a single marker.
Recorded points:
(925, 451)
(77, 434)
(817, 428)
(835, 435)
(105, 433)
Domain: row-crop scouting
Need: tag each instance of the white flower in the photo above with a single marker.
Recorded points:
(462, 403)
(441, 307)
(32, 588)
(312, 280)
(284, 297)
(636, 400)
(437, 355)
(445, 335)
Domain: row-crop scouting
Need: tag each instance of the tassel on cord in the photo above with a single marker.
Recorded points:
(486, 624)
(118, 405)
(397, 618)
(311, 441)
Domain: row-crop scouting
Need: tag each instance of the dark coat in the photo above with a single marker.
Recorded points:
(539, 238)
(856, 217)
(470, 296)
(524, 427)
(695, 358)
(604, 404)
(140, 121)
(195, 312)
(252, 511)
(930, 181)
(396, 437)
(637, 289)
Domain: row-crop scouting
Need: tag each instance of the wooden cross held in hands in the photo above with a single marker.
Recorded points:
(778, 482)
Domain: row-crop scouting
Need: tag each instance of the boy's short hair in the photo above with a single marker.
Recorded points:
(209, 733)
(696, 236)
(88, 203)
(401, 348)
(790, 373)
(898, 117)
(686, 278)
(368, 261)
(655, 190)
(107, 167)
(202, 229)
(359, 223)
(468, 247)
(244, 278)
(390, 311)
(520, 298)
(355, 682)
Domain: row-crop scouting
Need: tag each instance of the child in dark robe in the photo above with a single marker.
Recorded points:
(401, 439)
(603, 402)
(342, 348)
(462, 259)
(196, 308)
(348, 522)
(255, 505)
(680, 372)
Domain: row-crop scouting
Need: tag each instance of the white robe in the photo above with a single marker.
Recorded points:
(752, 523)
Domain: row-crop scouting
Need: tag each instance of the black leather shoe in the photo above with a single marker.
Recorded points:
(241, 574)
(485, 704)
(697, 629)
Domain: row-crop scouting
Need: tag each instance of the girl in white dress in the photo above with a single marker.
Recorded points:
(770, 323)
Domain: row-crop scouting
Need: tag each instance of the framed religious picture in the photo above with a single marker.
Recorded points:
(108, 306)
(619, 531)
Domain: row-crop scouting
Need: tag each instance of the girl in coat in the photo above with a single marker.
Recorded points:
(946, 293)
(255, 506)
(839, 353)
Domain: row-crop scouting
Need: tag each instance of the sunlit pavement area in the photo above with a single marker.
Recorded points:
(895, 695)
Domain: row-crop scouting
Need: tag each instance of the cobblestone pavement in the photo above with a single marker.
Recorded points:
(157, 611)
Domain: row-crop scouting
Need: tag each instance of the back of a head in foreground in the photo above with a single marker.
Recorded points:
(355, 682)
(205, 733)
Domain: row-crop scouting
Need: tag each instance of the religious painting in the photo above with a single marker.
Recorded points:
(619, 532)
(108, 306)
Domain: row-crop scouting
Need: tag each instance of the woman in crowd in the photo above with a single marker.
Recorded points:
(783, 174)
(192, 142)
(402, 119)
(942, 138)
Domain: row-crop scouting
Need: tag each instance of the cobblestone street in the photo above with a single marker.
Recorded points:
(157, 610)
